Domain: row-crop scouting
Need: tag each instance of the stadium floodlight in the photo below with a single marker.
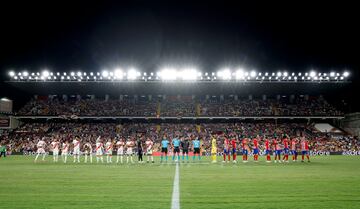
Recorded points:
(45, 73)
(11, 73)
(189, 74)
(285, 74)
(32, 74)
(58, 74)
(266, 74)
(62, 78)
(224, 74)
(299, 74)
(253, 73)
(206, 74)
(341, 78)
(312, 74)
(167, 74)
(72, 74)
(337, 74)
(332, 74)
(279, 74)
(64, 73)
(79, 74)
(295, 78)
(239, 74)
(15, 77)
(91, 73)
(152, 74)
(132, 74)
(346, 74)
(119, 74)
(105, 73)
(25, 73)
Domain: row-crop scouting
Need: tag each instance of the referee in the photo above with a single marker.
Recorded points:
(140, 150)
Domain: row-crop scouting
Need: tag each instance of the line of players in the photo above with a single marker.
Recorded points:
(278, 146)
(124, 148)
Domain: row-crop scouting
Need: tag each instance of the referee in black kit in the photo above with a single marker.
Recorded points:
(140, 149)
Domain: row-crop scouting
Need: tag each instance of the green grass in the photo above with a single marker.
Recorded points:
(326, 182)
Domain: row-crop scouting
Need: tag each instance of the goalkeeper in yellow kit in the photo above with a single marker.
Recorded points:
(213, 149)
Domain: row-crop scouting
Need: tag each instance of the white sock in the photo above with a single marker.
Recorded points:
(65, 158)
(127, 159)
(90, 158)
(101, 158)
(37, 155)
(85, 158)
(117, 159)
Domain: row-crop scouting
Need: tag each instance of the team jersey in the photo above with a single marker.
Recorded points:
(293, 144)
(41, 144)
(196, 143)
(108, 146)
(99, 146)
(129, 144)
(256, 144)
(267, 144)
(274, 143)
(88, 146)
(286, 143)
(244, 143)
(185, 145)
(226, 144)
(164, 143)
(304, 145)
(233, 143)
(148, 144)
(213, 143)
(120, 144)
(55, 145)
(176, 142)
(76, 144)
(65, 147)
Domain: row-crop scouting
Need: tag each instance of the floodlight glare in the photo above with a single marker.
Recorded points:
(132, 74)
(253, 73)
(45, 73)
(72, 74)
(312, 74)
(346, 74)
(278, 74)
(239, 74)
(79, 73)
(11, 73)
(25, 73)
(119, 74)
(189, 74)
(285, 74)
(167, 74)
(105, 73)
(224, 74)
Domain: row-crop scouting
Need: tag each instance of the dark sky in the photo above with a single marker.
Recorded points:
(91, 36)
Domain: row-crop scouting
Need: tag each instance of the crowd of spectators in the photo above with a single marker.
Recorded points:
(298, 106)
(25, 137)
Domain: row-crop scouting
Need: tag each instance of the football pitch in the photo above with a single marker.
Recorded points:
(326, 182)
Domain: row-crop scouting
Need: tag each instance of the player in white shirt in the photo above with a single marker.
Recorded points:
(76, 150)
(40, 150)
(120, 150)
(88, 151)
(55, 146)
(65, 150)
(99, 150)
(130, 144)
(149, 150)
(108, 151)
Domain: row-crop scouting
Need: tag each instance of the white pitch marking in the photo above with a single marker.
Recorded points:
(175, 200)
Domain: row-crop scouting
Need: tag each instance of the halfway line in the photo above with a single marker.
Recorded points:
(175, 200)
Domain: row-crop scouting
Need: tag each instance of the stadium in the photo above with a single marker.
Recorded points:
(167, 130)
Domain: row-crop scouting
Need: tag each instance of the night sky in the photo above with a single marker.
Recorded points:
(89, 37)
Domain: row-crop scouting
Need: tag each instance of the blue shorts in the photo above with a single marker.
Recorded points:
(245, 152)
(226, 152)
(304, 152)
(277, 152)
(234, 151)
(267, 152)
(286, 150)
(293, 152)
(256, 151)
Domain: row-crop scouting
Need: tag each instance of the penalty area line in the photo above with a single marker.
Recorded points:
(175, 199)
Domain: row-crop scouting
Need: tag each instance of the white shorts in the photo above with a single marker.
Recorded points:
(40, 151)
(55, 152)
(87, 152)
(109, 152)
(129, 151)
(76, 152)
(149, 151)
(120, 152)
(99, 152)
(64, 153)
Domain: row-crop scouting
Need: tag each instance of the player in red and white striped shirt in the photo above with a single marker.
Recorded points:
(304, 149)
